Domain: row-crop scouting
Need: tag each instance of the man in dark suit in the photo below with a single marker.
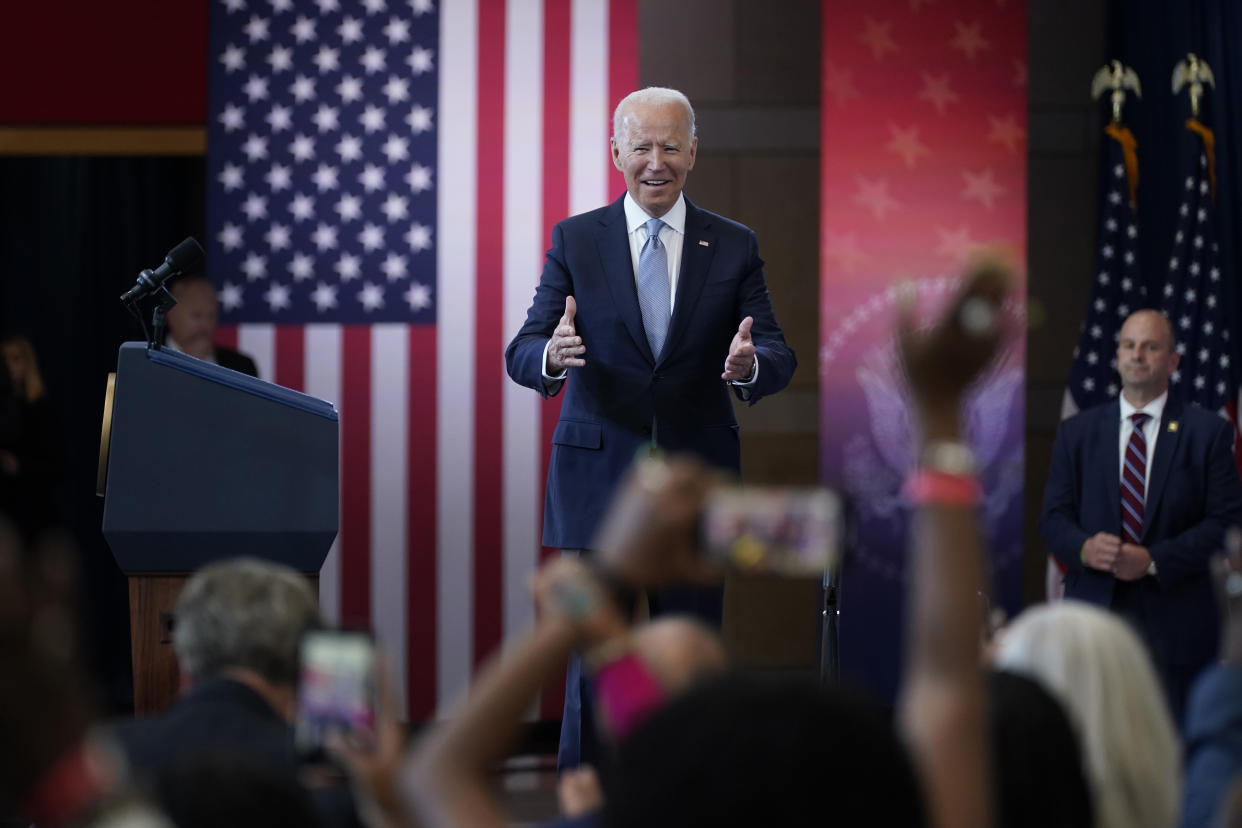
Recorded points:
(1139, 494)
(238, 626)
(236, 636)
(659, 309)
(192, 325)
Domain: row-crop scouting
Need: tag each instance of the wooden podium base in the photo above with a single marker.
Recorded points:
(157, 679)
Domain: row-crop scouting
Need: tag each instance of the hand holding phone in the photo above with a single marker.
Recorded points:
(785, 531)
(336, 689)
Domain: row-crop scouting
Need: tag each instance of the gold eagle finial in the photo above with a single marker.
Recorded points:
(1118, 78)
(1195, 71)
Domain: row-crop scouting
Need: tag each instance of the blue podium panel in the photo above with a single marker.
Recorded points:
(206, 463)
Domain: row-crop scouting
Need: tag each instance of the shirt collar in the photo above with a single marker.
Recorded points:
(636, 216)
(1155, 408)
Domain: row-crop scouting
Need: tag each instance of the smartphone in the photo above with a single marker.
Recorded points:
(336, 689)
(786, 531)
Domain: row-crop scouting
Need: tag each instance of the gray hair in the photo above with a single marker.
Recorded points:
(651, 96)
(244, 613)
(1097, 667)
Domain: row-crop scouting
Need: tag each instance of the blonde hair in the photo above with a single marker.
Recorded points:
(33, 387)
(1097, 667)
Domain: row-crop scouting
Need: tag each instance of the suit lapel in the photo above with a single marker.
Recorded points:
(696, 260)
(1107, 434)
(613, 244)
(1167, 441)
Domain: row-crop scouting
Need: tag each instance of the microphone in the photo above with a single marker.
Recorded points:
(184, 255)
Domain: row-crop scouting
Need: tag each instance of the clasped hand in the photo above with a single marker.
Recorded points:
(1106, 552)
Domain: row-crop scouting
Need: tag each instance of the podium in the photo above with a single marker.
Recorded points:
(199, 463)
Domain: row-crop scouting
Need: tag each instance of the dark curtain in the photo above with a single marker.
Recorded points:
(74, 233)
(1152, 36)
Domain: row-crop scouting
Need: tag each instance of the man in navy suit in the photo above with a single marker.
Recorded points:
(1135, 517)
(658, 309)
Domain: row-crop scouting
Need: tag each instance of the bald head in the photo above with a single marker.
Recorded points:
(1146, 356)
(680, 651)
(1154, 317)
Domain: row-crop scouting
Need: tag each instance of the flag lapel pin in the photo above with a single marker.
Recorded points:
(703, 243)
(1172, 426)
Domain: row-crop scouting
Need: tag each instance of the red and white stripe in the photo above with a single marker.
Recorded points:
(443, 458)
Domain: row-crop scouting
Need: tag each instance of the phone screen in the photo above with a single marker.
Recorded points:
(336, 689)
(780, 530)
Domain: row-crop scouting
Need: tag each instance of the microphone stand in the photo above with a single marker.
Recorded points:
(829, 642)
(158, 318)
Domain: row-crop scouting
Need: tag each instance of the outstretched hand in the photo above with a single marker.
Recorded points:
(740, 363)
(942, 362)
(566, 348)
(567, 589)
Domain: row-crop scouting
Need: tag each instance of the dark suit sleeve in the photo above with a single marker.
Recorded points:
(524, 356)
(1059, 523)
(1187, 553)
(777, 360)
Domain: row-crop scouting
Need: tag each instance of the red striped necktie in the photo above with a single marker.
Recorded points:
(1133, 481)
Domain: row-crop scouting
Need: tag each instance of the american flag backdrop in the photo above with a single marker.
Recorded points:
(1117, 288)
(1192, 297)
(383, 177)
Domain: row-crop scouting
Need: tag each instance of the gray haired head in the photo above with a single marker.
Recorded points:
(651, 96)
(244, 613)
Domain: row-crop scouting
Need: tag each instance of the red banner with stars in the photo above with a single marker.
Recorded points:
(923, 161)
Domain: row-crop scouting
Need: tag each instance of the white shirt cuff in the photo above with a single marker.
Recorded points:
(750, 383)
(549, 377)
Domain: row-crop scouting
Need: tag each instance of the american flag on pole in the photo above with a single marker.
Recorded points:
(1117, 289)
(383, 177)
(1192, 297)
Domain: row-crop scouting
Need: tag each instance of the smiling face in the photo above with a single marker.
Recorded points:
(1146, 356)
(655, 152)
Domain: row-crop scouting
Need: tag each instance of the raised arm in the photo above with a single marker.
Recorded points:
(648, 540)
(942, 697)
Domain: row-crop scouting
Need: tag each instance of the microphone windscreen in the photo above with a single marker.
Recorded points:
(188, 253)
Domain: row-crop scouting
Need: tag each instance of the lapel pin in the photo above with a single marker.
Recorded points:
(1172, 426)
(703, 243)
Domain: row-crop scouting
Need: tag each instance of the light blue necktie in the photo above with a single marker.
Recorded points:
(653, 298)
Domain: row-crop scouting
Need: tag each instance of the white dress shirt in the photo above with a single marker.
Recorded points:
(672, 235)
